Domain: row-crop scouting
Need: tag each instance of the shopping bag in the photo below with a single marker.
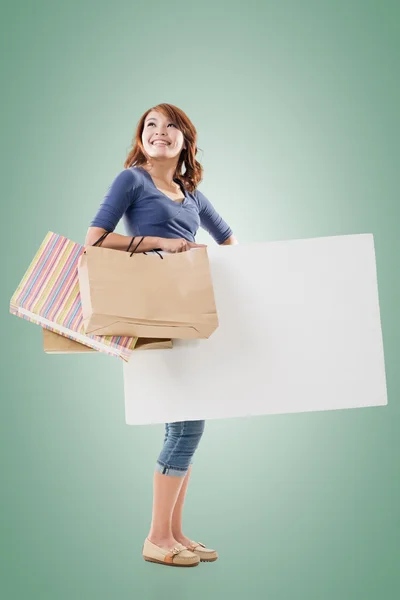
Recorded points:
(48, 295)
(54, 343)
(299, 331)
(147, 294)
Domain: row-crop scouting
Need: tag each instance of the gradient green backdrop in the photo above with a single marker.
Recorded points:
(297, 109)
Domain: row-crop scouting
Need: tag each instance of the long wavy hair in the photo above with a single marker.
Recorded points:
(193, 170)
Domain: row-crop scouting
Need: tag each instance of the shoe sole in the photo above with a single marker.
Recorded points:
(208, 559)
(162, 562)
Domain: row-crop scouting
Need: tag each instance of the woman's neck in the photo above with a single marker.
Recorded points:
(162, 171)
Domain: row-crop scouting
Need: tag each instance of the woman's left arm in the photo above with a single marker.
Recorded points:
(213, 223)
(231, 241)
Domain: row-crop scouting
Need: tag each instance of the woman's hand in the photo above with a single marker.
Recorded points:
(178, 245)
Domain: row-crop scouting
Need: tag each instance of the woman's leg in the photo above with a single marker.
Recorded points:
(176, 524)
(180, 443)
(165, 492)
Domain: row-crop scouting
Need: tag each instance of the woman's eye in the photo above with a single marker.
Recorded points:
(169, 124)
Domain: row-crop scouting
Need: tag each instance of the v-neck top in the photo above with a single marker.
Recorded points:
(146, 211)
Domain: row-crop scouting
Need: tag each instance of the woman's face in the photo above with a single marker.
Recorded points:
(161, 137)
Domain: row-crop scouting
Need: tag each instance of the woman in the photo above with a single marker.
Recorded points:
(161, 204)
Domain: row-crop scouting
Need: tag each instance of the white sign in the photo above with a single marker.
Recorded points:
(299, 330)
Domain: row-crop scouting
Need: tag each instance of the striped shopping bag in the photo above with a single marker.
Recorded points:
(48, 295)
(54, 343)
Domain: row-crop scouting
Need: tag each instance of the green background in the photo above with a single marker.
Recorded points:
(297, 109)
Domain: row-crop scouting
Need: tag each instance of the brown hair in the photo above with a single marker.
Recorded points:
(193, 169)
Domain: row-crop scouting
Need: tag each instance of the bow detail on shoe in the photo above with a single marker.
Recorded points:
(173, 552)
(194, 545)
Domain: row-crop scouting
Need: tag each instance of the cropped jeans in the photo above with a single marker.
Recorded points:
(180, 443)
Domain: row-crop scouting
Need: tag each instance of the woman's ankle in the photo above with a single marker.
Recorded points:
(177, 534)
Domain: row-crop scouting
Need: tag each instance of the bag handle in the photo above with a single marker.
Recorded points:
(101, 238)
(105, 234)
(137, 246)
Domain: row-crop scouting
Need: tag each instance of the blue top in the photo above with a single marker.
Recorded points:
(146, 211)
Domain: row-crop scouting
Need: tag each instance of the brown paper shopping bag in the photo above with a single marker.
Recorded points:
(54, 343)
(147, 295)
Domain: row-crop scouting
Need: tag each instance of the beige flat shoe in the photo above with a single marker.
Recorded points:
(205, 554)
(178, 556)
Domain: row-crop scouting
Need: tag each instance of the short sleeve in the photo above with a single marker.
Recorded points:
(211, 221)
(117, 200)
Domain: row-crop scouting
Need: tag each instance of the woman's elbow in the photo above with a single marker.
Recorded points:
(231, 241)
(93, 234)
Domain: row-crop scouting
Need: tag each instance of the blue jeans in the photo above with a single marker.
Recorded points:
(180, 443)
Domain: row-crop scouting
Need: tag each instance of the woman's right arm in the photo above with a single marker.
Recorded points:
(121, 242)
(117, 241)
(120, 195)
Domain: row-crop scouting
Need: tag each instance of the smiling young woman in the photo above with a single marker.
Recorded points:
(160, 202)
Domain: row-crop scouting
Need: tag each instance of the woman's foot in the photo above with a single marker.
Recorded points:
(175, 556)
(169, 542)
(182, 539)
(205, 554)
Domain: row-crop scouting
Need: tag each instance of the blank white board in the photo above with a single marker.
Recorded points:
(299, 330)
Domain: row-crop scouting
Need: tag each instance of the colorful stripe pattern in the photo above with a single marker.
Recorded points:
(50, 289)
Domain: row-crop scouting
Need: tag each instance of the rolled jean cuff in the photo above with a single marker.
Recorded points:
(169, 470)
